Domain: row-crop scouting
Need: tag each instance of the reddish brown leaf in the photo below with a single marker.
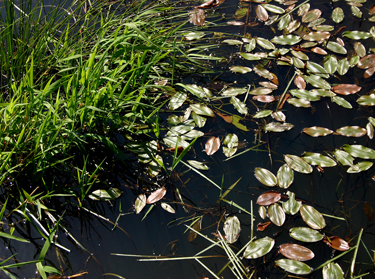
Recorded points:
(212, 145)
(367, 62)
(268, 198)
(227, 118)
(337, 243)
(264, 98)
(286, 97)
(368, 211)
(369, 72)
(372, 10)
(211, 4)
(319, 50)
(346, 89)
(262, 13)
(275, 80)
(156, 195)
(197, 16)
(262, 226)
(296, 252)
(300, 82)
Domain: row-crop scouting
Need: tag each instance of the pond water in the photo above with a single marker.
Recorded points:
(334, 192)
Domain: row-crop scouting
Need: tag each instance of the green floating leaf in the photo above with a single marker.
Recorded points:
(140, 203)
(361, 166)
(177, 100)
(261, 91)
(262, 212)
(240, 69)
(278, 127)
(232, 229)
(336, 47)
(231, 142)
(202, 110)
(194, 36)
(317, 131)
(196, 90)
(266, 44)
(233, 42)
(291, 206)
(305, 234)
(330, 64)
(276, 214)
(240, 107)
(167, 207)
(259, 248)
(357, 35)
(299, 103)
(273, 9)
(263, 113)
(318, 159)
(200, 121)
(317, 81)
(234, 91)
(297, 164)
(265, 177)
(338, 15)
(343, 66)
(198, 165)
(294, 267)
(305, 94)
(342, 102)
(105, 194)
(315, 68)
(368, 100)
(312, 217)
(359, 151)
(285, 176)
(332, 271)
(317, 36)
(343, 157)
(286, 39)
(351, 131)
(252, 56)
(356, 11)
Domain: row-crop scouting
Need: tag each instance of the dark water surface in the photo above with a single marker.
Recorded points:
(334, 193)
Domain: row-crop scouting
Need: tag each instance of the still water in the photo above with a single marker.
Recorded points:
(333, 192)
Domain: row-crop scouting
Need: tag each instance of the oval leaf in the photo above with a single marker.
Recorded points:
(232, 229)
(285, 176)
(259, 248)
(212, 145)
(265, 177)
(296, 252)
(351, 131)
(332, 271)
(276, 214)
(268, 198)
(156, 195)
(297, 164)
(318, 159)
(294, 267)
(305, 234)
(312, 217)
(317, 131)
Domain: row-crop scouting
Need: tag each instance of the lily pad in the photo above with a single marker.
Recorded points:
(265, 177)
(259, 248)
(312, 217)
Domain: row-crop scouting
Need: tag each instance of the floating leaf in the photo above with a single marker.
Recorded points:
(251, 45)
(240, 69)
(273, 9)
(167, 207)
(335, 47)
(278, 127)
(356, 11)
(343, 66)
(318, 159)
(262, 212)
(300, 82)
(279, 116)
(202, 110)
(233, 42)
(337, 243)
(296, 252)
(155, 166)
(330, 64)
(232, 229)
(360, 49)
(305, 234)
(262, 226)
(361, 166)
(332, 271)
(268, 198)
(359, 151)
(284, 22)
(261, 91)
(196, 90)
(299, 102)
(259, 248)
(369, 72)
(342, 102)
(200, 121)
(105, 194)
(312, 217)
(343, 157)
(231, 141)
(197, 165)
(370, 130)
(303, 9)
(317, 131)
(338, 15)
(367, 61)
(264, 98)
(305, 94)
(197, 225)
(356, 35)
(177, 100)
(285, 176)
(317, 81)
(265, 177)
(317, 36)
(368, 100)
(262, 13)
(240, 107)
(140, 203)
(276, 214)
(311, 15)
(253, 56)
(194, 36)
(294, 267)
(197, 16)
(156, 195)
(346, 89)
(268, 84)
(266, 44)
(259, 70)
(286, 39)
(212, 145)
(263, 113)
(297, 164)
(351, 131)
(234, 91)
(291, 206)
